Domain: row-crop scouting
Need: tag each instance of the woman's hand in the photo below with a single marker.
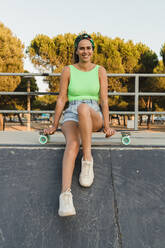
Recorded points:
(109, 132)
(50, 130)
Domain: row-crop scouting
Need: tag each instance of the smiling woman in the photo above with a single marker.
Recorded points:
(83, 84)
(84, 50)
(90, 45)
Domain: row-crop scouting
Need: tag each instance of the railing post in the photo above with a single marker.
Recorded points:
(28, 106)
(136, 101)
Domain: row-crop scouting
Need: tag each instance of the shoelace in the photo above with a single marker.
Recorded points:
(86, 168)
(67, 196)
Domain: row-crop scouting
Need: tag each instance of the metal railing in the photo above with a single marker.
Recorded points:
(136, 94)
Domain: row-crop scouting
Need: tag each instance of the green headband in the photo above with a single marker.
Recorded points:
(82, 37)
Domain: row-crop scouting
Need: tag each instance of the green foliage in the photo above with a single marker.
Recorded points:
(47, 102)
(148, 61)
(42, 51)
(116, 55)
(52, 54)
(158, 85)
(21, 101)
(162, 53)
(47, 53)
(11, 58)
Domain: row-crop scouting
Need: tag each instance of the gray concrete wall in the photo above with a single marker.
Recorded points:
(124, 207)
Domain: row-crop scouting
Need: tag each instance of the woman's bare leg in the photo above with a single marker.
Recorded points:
(71, 132)
(89, 120)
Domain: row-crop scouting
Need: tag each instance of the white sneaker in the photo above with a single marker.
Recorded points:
(66, 207)
(87, 175)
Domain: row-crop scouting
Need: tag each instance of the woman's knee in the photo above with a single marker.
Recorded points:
(83, 109)
(73, 146)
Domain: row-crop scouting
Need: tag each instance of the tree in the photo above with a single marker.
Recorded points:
(116, 55)
(51, 55)
(158, 85)
(149, 61)
(162, 53)
(11, 58)
(20, 102)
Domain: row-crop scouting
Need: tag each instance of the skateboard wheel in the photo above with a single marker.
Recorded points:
(43, 139)
(126, 140)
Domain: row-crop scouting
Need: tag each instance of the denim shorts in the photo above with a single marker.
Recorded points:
(71, 114)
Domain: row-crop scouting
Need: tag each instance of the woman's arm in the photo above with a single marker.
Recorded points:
(61, 100)
(104, 101)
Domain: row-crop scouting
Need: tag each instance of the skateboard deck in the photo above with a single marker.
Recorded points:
(125, 137)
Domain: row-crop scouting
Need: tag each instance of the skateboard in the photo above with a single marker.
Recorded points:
(45, 138)
(125, 137)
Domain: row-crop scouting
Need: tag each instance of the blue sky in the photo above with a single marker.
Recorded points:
(137, 20)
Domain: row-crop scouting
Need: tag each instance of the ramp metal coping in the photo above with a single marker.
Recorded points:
(136, 94)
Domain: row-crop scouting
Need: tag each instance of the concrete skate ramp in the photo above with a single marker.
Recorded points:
(125, 207)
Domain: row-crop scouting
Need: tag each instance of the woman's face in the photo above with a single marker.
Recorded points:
(84, 50)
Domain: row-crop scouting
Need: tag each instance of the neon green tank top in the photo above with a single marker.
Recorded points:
(83, 84)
